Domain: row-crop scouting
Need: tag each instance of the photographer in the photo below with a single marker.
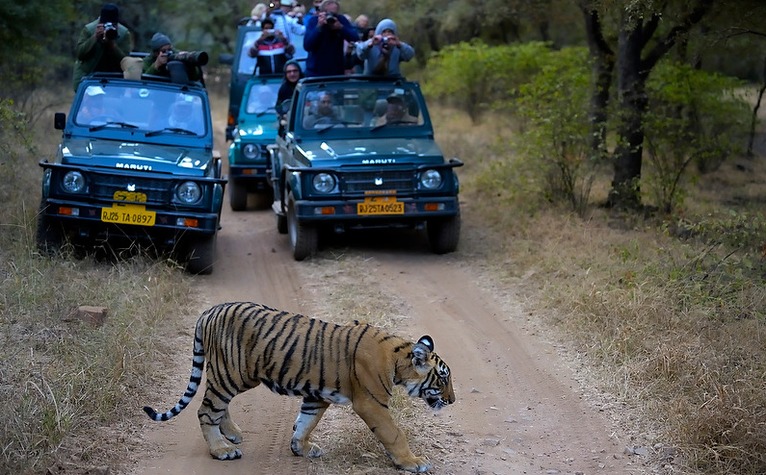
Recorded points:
(271, 49)
(162, 52)
(325, 35)
(102, 45)
(383, 52)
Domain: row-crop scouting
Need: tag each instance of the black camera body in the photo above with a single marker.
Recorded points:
(330, 18)
(384, 42)
(110, 31)
(191, 58)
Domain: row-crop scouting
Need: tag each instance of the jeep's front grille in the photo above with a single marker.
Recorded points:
(156, 191)
(403, 181)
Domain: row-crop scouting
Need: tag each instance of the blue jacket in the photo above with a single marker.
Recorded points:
(326, 55)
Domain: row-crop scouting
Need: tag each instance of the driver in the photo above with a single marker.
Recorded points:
(325, 113)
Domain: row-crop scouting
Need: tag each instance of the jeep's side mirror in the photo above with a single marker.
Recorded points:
(284, 106)
(59, 120)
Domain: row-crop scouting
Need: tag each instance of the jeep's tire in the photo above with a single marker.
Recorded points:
(201, 255)
(443, 234)
(49, 234)
(304, 238)
(237, 196)
(281, 224)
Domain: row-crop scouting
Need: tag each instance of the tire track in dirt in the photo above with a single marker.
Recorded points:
(517, 412)
(248, 269)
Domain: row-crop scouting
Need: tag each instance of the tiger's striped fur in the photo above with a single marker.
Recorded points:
(246, 344)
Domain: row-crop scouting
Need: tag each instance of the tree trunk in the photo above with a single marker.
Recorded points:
(626, 190)
(602, 70)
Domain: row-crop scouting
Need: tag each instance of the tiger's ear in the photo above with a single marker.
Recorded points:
(421, 350)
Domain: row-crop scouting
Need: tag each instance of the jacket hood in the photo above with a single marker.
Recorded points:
(385, 24)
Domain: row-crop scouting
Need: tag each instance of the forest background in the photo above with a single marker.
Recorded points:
(638, 118)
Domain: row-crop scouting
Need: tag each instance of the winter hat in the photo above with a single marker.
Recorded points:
(385, 24)
(110, 14)
(287, 3)
(159, 40)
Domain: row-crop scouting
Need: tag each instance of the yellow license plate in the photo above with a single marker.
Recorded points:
(128, 214)
(378, 205)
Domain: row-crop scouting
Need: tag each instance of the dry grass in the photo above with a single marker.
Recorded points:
(65, 382)
(669, 312)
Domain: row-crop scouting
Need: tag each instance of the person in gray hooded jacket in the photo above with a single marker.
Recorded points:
(383, 52)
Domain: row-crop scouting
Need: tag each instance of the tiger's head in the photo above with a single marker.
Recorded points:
(430, 378)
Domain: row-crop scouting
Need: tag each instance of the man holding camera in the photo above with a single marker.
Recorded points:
(271, 49)
(324, 40)
(162, 52)
(383, 52)
(102, 45)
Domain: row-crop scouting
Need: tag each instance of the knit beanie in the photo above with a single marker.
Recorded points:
(385, 24)
(159, 40)
(110, 14)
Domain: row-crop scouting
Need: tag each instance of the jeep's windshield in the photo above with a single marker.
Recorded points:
(368, 106)
(262, 98)
(140, 107)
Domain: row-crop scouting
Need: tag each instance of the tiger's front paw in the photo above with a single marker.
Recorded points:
(227, 452)
(414, 465)
(307, 449)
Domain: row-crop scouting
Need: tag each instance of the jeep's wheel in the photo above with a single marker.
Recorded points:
(237, 196)
(304, 238)
(443, 234)
(281, 224)
(49, 234)
(201, 255)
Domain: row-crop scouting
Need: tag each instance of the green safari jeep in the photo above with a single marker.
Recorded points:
(255, 132)
(359, 152)
(135, 165)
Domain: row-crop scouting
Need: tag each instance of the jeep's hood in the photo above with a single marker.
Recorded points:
(379, 151)
(115, 154)
(263, 129)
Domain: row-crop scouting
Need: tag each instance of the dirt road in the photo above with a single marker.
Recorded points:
(519, 410)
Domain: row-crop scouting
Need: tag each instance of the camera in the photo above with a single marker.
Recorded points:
(191, 58)
(330, 18)
(110, 31)
(384, 42)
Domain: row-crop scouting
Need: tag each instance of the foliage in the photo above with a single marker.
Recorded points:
(476, 77)
(694, 117)
(554, 108)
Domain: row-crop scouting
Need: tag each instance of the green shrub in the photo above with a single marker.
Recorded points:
(694, 117)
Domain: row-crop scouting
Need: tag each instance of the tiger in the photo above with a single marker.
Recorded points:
(247, 344)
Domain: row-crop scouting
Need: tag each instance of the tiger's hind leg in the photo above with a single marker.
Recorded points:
(217, 427)
(311, 411)
(230, 429)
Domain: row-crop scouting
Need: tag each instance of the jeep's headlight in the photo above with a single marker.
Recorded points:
(323, 182)
(431, 179)
(73, 182)
(251, 151)
(188, 192)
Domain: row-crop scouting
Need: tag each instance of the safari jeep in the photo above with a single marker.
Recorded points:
(135, 165)
(359, 152)
(254, 133)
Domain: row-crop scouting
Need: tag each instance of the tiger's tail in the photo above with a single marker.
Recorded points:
(198, 363)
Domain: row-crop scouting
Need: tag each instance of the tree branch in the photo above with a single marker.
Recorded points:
(664, 45)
